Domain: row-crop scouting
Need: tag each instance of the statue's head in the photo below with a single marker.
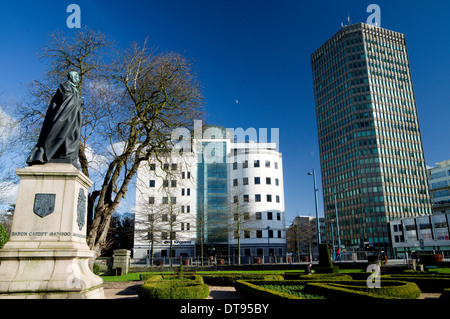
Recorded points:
(74, 77)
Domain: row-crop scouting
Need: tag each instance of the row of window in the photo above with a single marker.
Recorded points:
(257, 181)
(257, 198)
(259, 234)
(258, 216)
(256, 163)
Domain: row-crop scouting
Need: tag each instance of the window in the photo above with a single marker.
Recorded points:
(275, 165)
(258, 215)
(188, 192)
(270, 233)
(235, 165)
(236, 216)
(279, 234)
(269, 215)
(164, 235)
(278, 216)
(246, 199)
(259, 235)
(166, 166)
(182, 209)
(245, 164)
(246, 234)
(183, 175)
(267, 163)
(235, 182)
(164, 218)
(268, 181)
(235, 199)
(151, 200)
(236, 235)
(257, 197)
(173, 200)
(173, 183)
(269, 198)
(188, 175)
(246, 216)
(165, 200)
(185, 226)
(165, 183)
(245, 181)
(278, 198)
(276, 182)
(152, 183)
(257, 180)
(152, 167)
(174, 167)
(182, 192)
(256, 163)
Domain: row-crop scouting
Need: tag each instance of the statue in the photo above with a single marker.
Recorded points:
(59, 140)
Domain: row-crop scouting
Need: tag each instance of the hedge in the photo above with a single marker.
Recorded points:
(159, 277)
(445, 295)
(336, 289)
(358, 289)
(252, 290)
(425, 282)
(230, 279)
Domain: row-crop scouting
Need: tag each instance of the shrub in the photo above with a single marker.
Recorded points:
(359, 290)
(445, 294)
(425, 282)
(253, 290)
(230, 279)
(160, 277)
(173, 290)
(324, 256)
(3, 236)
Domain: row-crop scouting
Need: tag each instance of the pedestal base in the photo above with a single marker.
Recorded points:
(47, 256)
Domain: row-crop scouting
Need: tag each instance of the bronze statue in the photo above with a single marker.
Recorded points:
(59, 140)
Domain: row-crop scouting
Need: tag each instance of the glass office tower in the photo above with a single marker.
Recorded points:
(371, 153)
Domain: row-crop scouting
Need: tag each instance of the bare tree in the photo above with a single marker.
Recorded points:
(134, 99)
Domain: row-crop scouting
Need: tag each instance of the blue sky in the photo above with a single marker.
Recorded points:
(253, 59)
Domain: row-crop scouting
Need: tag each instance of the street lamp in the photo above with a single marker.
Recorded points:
(317, 209)
(337, 224)
(268, 244)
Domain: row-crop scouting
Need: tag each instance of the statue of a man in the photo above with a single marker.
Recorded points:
(59, 140)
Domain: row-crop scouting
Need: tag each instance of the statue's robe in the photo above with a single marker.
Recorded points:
(59, 140)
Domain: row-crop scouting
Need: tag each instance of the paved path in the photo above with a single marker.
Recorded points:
(129, 289)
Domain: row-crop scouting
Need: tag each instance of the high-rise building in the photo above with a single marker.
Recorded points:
(222, 198)
(371, 153)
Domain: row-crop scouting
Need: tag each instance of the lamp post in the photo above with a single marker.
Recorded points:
(337, 225)
(313, 173)
(268, 244)
(332, 238)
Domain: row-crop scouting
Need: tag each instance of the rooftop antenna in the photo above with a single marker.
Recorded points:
(348, 19)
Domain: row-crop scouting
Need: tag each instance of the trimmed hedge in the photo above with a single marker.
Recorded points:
(425, 282)
(331, 289)
(230, 279)
(159, 277)
(357, 289)
(252, 290)
(323, 276)
(445, 294)
(173, 290)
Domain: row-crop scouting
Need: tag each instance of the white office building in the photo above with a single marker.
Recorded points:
(223, 197)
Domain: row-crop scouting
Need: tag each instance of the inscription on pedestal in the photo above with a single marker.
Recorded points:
(44, 204)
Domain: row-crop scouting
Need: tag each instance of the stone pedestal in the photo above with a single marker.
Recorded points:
(47, 256)
(121, 261)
